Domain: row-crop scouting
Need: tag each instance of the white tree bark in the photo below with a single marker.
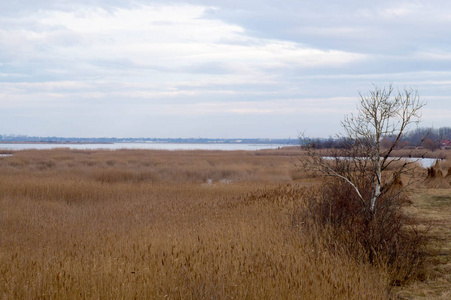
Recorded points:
(379, 114)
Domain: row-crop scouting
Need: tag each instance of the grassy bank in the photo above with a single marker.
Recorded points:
(165, 224)
(433, 209)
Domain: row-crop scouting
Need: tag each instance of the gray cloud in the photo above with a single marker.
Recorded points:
(213, 68)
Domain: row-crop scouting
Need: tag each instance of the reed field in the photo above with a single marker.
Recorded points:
(149, 224)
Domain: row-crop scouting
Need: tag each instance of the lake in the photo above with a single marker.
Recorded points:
(154, 146)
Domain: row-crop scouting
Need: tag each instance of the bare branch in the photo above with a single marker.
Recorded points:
(379, 114)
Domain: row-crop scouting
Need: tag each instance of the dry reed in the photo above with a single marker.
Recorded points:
(159, 224)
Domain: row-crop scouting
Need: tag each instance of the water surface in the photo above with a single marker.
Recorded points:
(424, 162)
(155, 146)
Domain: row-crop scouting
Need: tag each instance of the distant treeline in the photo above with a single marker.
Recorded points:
(429, 138)
(107, 140)
(420, 137)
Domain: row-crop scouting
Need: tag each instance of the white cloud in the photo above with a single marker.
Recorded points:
(240, 58)
(175, 36)
(289, 107)
(402, 10)
(433, 54)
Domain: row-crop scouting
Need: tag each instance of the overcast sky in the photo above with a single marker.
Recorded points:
(237, 68)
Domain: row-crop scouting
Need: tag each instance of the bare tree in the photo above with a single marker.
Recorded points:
(363, 163)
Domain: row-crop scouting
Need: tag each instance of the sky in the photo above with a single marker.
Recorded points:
(227, 69)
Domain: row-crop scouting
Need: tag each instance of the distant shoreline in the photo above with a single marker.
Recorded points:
(162, 142)
(56, 143)
(16, 146)
(170, 141)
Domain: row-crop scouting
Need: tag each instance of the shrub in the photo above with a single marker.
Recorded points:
(383, 239)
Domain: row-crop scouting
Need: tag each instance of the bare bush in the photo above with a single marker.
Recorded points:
(384, 240)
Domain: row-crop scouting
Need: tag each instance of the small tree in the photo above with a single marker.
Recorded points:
(430, 144)
(360, 208)
(364, 163)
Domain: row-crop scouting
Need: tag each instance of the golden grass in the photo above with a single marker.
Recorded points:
(433, 208)
(161, 224)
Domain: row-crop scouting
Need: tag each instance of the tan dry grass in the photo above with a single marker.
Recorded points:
(438, 176)
(433, 208)
(425, 153)
(147, 224)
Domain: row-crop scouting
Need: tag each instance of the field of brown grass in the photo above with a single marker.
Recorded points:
(432, 207)
(165, 224)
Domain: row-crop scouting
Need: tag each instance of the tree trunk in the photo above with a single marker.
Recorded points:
(378, 174)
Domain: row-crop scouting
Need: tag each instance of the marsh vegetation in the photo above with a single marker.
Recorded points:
(170, 224)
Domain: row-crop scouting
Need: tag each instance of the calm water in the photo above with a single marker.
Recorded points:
(156, 146)
(424, 162)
